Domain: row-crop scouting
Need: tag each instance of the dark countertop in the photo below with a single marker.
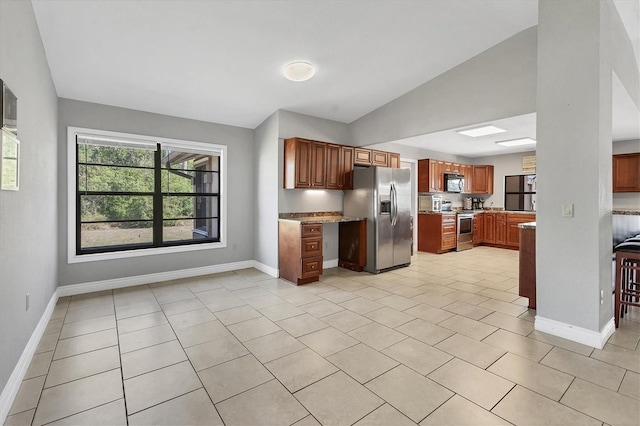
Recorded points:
(322, 219)
(480, 211)
(528, 225)
(626, 212)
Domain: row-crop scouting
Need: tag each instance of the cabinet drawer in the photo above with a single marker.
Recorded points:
(312, 230)
(448, 241)
(311, 247)
(311, 267)
(449, 228)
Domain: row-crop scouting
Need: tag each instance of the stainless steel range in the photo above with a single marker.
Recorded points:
(465, 232)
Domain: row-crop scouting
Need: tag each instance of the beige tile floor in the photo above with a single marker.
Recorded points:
(444, 341)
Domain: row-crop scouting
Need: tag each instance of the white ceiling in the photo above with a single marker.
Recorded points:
(625, 124)
(221, 61)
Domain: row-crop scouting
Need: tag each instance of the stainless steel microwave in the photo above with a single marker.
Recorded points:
(453, 182)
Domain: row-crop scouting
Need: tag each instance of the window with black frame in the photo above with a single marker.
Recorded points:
(520, 192)
(137, 195)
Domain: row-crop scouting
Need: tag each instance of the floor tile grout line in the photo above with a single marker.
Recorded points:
(47, 374)
(526, 336)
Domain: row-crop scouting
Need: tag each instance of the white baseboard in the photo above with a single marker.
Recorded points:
(574, 333)
(15, 380)
(13, 384)
(275, 273)
(73, 289)
(331, 263)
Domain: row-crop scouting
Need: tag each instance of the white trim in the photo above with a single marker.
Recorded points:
(574, 333)
(331, 263)
(72, 257)
(275, 273)
(88, 287)
(15, 380)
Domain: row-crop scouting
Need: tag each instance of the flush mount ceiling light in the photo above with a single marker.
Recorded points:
(517, 142)
(475, 132)
(299, 71)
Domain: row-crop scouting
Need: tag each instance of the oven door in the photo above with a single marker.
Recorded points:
(465, 232)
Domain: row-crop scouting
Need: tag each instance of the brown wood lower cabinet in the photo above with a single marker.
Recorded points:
(527, 277)
(352, 250)
(501, 229)
(436, 232)
(478, 228)
(513, 231)
(300, 251)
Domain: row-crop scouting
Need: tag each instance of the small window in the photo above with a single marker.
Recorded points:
(520, 192)
(144, 193)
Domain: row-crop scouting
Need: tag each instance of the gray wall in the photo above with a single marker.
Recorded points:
(579, 42)
(498, 83)
(28, 232)
(267, 178)
(240, 187)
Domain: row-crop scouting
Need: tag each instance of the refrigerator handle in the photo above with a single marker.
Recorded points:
(394, 205)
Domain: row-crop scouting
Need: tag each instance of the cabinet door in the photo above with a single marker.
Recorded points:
(394, 160)
(513, 232)
(440, 170)
(489, 228)
(626, 173)
(482, 180)
(362, 157)
(347, 167)
(434, 180)
(334, 169)
(303, 163)
(467, 172)
(380, 158)
(424, 177)
(318, 165)
(501, 228)
(478, 228)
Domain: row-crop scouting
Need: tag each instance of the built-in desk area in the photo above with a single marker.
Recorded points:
(300, 244)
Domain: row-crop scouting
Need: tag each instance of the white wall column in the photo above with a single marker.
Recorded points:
(574, 92)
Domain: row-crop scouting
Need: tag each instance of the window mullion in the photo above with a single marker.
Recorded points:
(157, 198)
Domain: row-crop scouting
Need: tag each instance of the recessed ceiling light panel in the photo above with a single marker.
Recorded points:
(517, 142)
(299, 71)
(481, 131)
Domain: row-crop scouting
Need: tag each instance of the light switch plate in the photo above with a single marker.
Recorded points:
(567, 210)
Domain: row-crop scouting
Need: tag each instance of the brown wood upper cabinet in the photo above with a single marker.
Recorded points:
(305, 163)
(313, 165)
(394, 160)
(380, 158)
(626, 172)
(478, 179)
(362, 157)
(482, 180)
(429, 177)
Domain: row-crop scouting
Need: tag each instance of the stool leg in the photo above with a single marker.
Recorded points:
(616, 307)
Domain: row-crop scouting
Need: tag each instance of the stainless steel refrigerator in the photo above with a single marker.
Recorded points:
(383, 196)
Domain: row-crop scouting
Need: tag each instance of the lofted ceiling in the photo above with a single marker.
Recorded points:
(221, 61)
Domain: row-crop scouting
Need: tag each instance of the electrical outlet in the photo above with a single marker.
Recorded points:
(27, 302)
(602, 297)
(235, 246)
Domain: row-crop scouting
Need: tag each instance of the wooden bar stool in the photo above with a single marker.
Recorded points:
(627, 288)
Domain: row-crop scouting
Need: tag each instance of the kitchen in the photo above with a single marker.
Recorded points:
(483, 195)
